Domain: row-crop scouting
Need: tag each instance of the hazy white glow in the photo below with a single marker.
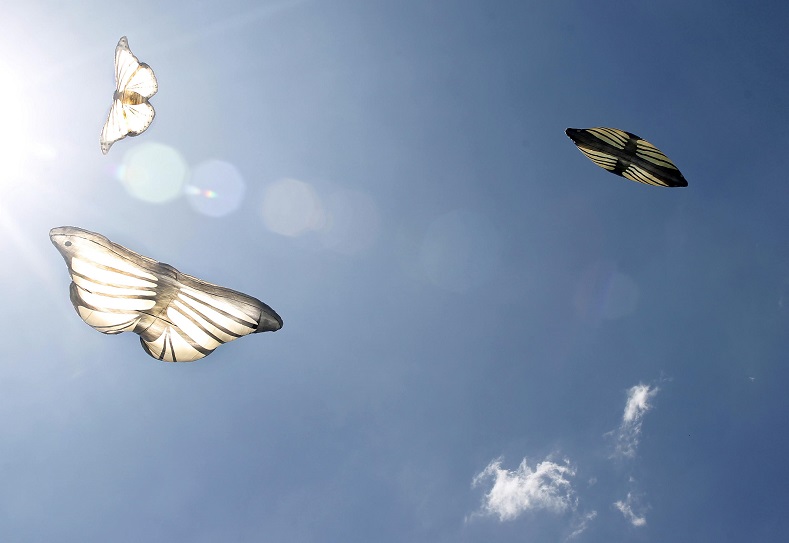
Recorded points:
(15, 140)
(291, 208)
(514, 492)
(352, 222)
(153, 172)
(460, 250)
(216, 188)
(605, 292)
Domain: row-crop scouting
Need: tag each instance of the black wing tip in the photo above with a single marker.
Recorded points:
(574, 134)
(675, 179)
(270, 321)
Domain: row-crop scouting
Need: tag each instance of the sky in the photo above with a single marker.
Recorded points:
(487, 338)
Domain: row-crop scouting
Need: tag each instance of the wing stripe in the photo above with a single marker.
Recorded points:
(205, 322)
(198, 299)
(108, 323)
(649, 152)
(635, 173)
(117, 267)
(122, 303)
(615, 138)
(200, 340)
(88, 283)
(604, 161)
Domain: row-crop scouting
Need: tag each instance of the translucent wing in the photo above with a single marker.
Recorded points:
(132, 75)
(200, 317)
(135, 83)
(179, 318)
(627, 155)
(115, 128)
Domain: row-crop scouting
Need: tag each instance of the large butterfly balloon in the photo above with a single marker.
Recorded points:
(179, 318)
(135, 83)
(627, 155)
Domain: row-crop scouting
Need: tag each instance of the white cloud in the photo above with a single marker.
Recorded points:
(626, 508)
(629, 430)
(638, 402)
(514, 492)
(582, 525)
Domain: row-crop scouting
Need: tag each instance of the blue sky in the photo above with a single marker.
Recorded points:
(487, 337)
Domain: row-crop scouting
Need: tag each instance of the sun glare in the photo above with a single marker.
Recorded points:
(15, 139)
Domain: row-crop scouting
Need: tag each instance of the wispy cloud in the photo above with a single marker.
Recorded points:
(627, 509)
(636, 407)
(526, 489)
(582, 525)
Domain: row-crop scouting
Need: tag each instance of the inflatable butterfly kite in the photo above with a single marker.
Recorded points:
(179, 318)
(627, 155)
(135, 83)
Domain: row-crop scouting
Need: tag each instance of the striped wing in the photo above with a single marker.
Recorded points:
(179, 318)
(109, 291)
(135, 83)
(627, 155)
(199, 317)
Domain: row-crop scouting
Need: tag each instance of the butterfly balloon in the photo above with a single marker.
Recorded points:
(135, 83)
(627, 155)
(179, 318)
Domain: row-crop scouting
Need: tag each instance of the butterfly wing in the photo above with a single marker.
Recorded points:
(135, 83)
(627, 155)
(109, 292)
(179, 318)
(115, 128)
(131, 75)
(200, 317)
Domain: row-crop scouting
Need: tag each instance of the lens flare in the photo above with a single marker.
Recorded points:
(15, 139)
(291, 208)
(603, 292)
(153, 172)
(351, 222)
(461, 250)
(216, 188)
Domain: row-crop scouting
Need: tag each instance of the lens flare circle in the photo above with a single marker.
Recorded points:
(352, 222)
(292, 208)
(153, 172)
(461, 250)
(216, 188)
(604, 292)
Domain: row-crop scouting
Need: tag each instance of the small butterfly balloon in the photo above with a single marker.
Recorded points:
(179, 318)
(627, 155)
(135, 83)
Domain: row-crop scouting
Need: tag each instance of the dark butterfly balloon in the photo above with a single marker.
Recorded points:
(627, 155)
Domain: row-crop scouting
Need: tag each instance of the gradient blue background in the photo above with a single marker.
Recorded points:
(475, 287)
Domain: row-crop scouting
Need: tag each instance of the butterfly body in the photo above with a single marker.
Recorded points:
(178, 317)
(129, 98)
(131, 113)
(627, 155)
